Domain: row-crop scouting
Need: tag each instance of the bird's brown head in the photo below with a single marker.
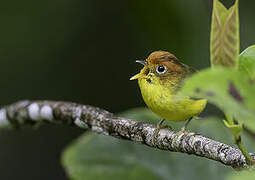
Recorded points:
(161, 64)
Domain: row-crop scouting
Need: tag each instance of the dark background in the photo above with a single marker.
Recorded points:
(84, 51)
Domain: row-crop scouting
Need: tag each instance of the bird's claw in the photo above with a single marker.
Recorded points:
(182, 131)
(155, 133)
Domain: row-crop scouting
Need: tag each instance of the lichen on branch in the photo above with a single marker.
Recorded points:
(98, 120)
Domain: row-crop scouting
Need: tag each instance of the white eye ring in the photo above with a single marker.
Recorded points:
(161, 69)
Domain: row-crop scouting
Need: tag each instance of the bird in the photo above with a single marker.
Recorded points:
(160, 81)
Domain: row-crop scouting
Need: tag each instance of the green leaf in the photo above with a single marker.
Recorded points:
(246, 62)
(230, 90)
(224, 42)
(244, 175)
(235, 129)
(102, 157)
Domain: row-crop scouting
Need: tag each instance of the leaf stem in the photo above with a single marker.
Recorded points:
(238, 140)
(240, 145)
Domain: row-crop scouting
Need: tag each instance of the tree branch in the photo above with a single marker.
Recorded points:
(87, 117)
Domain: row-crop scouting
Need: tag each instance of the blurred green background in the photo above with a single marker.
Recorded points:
(84, 51)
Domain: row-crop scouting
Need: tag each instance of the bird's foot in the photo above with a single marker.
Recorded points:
(159, 127)
(182, 131)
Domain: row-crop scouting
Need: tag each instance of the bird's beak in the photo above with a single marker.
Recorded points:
(137, 76)
(143, 62)
(141, 74)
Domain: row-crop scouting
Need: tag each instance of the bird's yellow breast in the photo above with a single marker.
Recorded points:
(161, 99)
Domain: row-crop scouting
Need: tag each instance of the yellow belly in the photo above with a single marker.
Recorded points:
(162, 101)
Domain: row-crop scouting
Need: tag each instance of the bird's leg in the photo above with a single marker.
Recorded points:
(183, 129)
(160, 123)
(186, 124)
(159, 127)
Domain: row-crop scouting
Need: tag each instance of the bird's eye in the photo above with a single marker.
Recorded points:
(161, 69)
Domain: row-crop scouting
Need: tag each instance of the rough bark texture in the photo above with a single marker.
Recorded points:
(84, 116)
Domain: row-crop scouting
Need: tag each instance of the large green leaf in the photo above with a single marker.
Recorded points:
(231, 90)
(246, 62)
(244, 175)
(102, 157)
(224, 43)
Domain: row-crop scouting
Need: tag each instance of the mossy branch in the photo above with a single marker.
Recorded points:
(95, 119)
